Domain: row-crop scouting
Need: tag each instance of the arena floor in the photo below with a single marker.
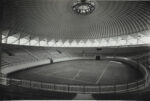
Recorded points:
(102, 72)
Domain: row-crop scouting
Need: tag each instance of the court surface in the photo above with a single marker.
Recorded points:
(102, 72)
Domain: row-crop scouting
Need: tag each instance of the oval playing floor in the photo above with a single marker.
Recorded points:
(103, 72)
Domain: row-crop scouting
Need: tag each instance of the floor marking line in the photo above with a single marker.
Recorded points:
(72, 80)
(76, 75)
(100, 77)
(53, 73)
(58, 72)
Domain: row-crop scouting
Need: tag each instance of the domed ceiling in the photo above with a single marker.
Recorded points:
(54, 19)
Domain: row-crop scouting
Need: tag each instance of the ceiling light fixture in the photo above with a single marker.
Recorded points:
(83, 7)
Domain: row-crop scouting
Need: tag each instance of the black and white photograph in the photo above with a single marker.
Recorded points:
(75, 50)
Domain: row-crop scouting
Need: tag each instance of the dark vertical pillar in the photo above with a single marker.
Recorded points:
(1, 18)
(99, 89)
(0, 50)
(98, 57)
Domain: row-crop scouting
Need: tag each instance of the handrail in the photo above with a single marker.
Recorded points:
(72, 88)
(127, 87)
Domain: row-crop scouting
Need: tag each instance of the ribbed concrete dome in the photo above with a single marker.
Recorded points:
(54, 19)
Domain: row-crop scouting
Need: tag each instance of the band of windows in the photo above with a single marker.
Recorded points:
(134, 39)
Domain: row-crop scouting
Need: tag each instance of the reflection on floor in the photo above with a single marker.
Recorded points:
(83, 97)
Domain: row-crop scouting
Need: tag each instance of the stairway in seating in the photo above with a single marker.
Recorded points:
(4, 63)
(48, 53)
(31, 54)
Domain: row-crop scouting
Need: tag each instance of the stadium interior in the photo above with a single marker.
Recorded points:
(74, 49)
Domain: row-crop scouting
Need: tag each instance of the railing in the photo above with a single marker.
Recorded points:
(114, 88)
(19, 63)
(92, 89)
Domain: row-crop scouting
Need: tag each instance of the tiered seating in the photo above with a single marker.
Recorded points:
(18, 59)
(143, 59)
(52, 53)
(4, 63)
(14, 54)
(40, 53)
(24, 54)
(43, 53)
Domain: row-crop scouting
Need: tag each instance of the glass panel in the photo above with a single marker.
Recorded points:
(103, 43)
(4, 40)
(43, 43)
(51, 43)
(112, 42)
(16, 42)
(11, 39)
(74, 44)
(132, 41)
(33, 42)
(66, 44)
(24, 41)
(59, 43)
(3, 36)
(81, 44)
(88, 44)
(145, 39)
(121, 41)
